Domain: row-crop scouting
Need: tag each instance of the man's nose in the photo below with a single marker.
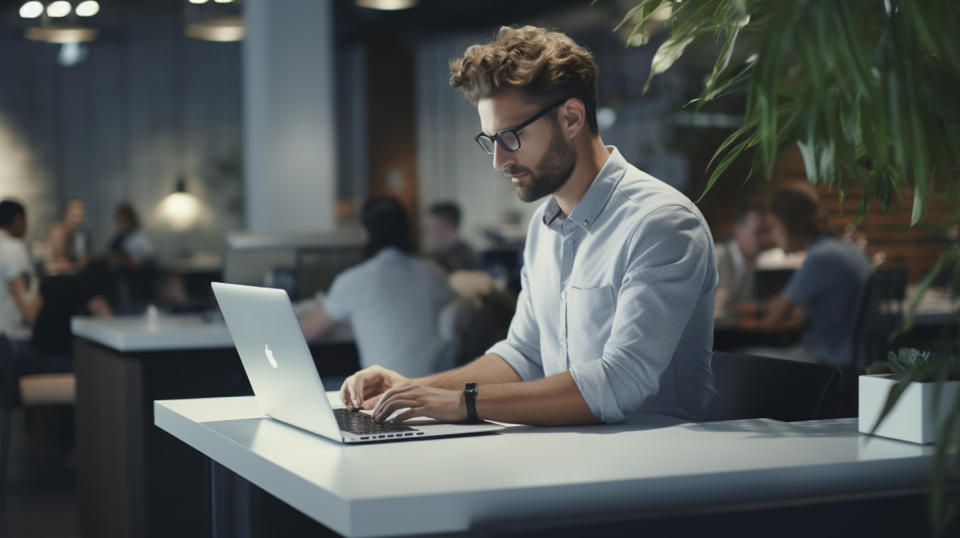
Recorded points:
(501, 157)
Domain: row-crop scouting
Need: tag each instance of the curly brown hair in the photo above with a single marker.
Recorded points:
(546, 66)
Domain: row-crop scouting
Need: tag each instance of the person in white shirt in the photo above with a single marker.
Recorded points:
(20, 303)
(737, 258)
(392, 300)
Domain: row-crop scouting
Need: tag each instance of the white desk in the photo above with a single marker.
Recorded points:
(168, 333)
(133, 479)
(449, 485)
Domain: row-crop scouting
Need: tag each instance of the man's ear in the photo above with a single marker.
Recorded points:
(572, 117)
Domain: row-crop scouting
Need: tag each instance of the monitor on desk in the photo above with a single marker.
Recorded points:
(767, 283)
(317, 267)
(313, 259)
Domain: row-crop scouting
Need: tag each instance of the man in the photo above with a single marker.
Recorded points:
(737, 258)
(449, 250)
(130, 248)
(822, 296)
(616, 311)
(19, 301)
(391, 300)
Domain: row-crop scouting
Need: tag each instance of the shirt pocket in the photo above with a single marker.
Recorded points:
(589, 320)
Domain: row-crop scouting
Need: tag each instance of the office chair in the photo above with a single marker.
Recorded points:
(879, 313)
(760, 387)
(25, 391)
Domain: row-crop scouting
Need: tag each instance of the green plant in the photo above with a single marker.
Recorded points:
(912, 365)
(867, 90)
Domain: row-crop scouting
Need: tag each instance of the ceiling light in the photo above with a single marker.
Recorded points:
(60, 8)
(198, 1)
(387, 5)
(61, 34)
(88, 8)
(31, 10)
(223, 1)
(217, 29)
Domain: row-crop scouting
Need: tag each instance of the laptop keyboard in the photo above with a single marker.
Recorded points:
(361, 424)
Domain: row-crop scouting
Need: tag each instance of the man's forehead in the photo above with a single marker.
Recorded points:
(503, 110)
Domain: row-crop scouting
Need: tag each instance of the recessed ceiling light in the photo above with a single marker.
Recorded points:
(58, 9)
(31, 10)
(88, 8)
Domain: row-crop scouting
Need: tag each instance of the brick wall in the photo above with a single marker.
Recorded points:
(914, 248)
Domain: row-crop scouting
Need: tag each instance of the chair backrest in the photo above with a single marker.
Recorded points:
(879, 312)
(760, 387)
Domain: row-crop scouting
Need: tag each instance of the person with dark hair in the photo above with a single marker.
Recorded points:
(130, 247)
(737, 258)
(615, 315)
(392, 300)
(821, 297)
(20, 301)
(448, 249)
(67, 244)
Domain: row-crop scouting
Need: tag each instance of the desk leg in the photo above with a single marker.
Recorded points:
(230, 510)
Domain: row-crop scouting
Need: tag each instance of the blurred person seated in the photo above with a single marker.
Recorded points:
(821, 297)
(447, 248)
(130, 247)
(736, 258)
(478, 318)
(67, 243)
(20, 300)
(391, 300)
(27, 304)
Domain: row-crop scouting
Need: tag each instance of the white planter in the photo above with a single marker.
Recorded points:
(912, 418)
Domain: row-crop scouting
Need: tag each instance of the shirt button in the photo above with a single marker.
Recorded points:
(563, 295)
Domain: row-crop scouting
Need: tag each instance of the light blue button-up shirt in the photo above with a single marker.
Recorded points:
(620, 293)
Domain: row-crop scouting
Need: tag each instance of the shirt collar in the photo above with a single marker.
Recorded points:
(595, 199)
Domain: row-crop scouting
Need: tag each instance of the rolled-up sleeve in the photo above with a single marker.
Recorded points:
(521, 348)
(668, 269)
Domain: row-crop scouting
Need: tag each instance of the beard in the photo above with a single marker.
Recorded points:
(553, 171)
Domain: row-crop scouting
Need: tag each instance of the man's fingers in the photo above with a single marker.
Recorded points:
(391, 393)
(370, 402)
(356, 390)
(408, 414)
(393, 406)
(345, 391)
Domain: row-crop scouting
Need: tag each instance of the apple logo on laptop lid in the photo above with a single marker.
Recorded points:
(270, 358)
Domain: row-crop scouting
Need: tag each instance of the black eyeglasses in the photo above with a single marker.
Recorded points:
(509, 138)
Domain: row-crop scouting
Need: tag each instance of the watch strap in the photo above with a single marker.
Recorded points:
(470, 391)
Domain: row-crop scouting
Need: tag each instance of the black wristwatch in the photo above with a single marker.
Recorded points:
(470, 397)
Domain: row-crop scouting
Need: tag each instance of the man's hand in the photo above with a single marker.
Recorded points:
(421, 401)
(361, 390)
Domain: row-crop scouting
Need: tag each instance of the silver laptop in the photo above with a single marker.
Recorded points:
(284, 378)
